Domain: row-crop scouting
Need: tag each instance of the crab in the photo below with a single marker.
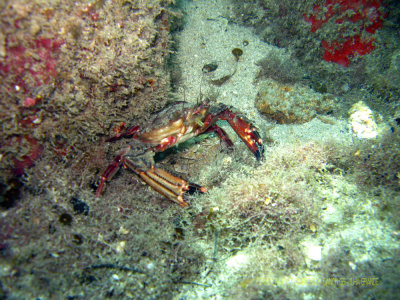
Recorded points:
(173, 125)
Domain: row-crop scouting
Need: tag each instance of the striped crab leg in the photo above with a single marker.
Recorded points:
(171, 186)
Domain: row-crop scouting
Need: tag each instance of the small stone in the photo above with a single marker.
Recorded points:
(150, 266)
(120, 246)
(77, 239)
(352, 265)
(314, 252)
(237, 53)
(65, 219)
(79, 206)
(123, 230)
(115, 277)
(209, 68)
(238, 261)
(35, 28)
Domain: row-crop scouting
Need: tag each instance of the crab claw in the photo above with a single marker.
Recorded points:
(243, 128)
(249, 135)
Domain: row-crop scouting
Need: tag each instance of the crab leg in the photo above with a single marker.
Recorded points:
(221, 133)
(165, 183)
(109, 173)
(128, 132)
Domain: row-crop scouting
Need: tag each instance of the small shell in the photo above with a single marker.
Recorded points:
(209, 68)
(237, 52)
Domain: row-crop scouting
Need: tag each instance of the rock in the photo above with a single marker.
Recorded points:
(362, 121)
(289, 104)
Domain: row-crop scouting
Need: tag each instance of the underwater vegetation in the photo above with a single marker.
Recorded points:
(377, 162)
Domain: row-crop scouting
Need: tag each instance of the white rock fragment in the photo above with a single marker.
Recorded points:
(120, 247)
(150, 266)
(115, 277)
(331, 215)
(123, 230)
(314, 252)
(352, 265)
(238, 261)
(362, 121)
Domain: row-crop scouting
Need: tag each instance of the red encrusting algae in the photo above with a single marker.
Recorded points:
(31, 64)
(368, 16)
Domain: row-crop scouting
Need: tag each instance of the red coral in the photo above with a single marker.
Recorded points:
(365, 13)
